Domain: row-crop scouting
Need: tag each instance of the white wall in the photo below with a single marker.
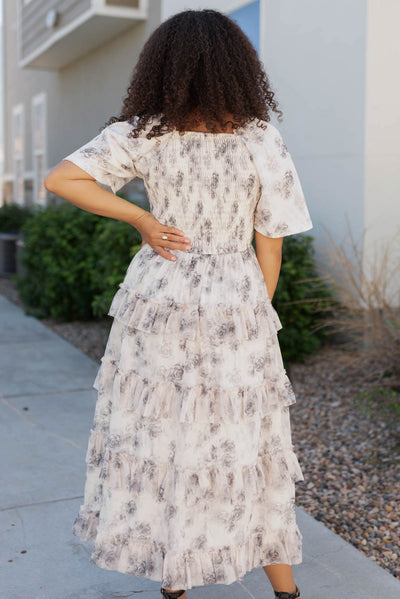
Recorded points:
(314, 52)
(382, 122)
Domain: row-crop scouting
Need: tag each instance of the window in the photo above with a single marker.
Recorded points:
(18, 152)
(39, 147)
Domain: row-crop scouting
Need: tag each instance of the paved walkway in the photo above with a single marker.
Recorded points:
(47, 405)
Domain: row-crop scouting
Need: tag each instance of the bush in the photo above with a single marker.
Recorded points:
(58, 261)
(74, 261)
(13, 216)
(116, 244)
(301, 300)
(367, 315)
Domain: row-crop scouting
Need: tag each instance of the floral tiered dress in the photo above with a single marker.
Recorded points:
(190, 465)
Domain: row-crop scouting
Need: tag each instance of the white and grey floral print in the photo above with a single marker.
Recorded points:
(191, 470)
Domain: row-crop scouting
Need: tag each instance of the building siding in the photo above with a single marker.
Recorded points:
(124, 3)
(80, 97)
(34, 32)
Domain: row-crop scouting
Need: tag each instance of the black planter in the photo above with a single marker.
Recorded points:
(8, 251)
(20, 243)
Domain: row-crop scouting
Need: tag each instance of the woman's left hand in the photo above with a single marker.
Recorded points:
(153, 233)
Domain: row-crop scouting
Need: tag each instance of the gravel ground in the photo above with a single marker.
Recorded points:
(348, 445)
(347, 440)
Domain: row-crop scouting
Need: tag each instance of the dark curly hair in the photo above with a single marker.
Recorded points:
(198, 64)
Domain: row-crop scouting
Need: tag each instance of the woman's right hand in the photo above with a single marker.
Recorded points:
(152, 232)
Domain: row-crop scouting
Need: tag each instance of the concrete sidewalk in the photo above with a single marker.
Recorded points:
(47, 406)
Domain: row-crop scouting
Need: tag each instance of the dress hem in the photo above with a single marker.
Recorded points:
(224, 565)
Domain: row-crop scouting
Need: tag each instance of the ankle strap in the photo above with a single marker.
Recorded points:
(171, 594)
(285, 595)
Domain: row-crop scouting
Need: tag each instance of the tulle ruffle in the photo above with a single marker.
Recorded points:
(217, 322)
(223, 565)
(166, 399)
(121, 470)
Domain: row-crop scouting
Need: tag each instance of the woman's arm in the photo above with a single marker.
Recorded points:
(269, 256)
(72, 183)
(75, 185)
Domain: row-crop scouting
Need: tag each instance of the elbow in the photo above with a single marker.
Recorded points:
(50, 182)
(53, 179)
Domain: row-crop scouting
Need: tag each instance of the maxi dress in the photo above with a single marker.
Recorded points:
(191, 470)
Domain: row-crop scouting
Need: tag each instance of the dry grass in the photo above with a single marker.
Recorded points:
(367, 315)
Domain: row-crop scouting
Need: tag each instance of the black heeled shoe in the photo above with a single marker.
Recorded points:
(171, 594)
(285, 595)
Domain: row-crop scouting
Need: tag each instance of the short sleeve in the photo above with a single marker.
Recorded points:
(112, 158)
(281, 208)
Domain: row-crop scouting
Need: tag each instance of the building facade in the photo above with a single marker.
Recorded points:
(67, 64)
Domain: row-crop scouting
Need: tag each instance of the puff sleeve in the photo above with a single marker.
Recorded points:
(112, 158)
(281, 208)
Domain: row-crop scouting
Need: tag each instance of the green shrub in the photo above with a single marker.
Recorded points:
(116, 244)
(13, 216)
(74, 261)
(58, 259)
(301, 300)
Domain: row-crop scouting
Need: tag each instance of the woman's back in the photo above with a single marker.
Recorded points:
(207, 185)
(217, 187)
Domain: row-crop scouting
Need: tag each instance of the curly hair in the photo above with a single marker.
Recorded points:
(198, 64)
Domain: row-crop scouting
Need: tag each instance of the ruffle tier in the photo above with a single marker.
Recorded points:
(215, 322)
(186, 486)
(223, 565)
(167, 399)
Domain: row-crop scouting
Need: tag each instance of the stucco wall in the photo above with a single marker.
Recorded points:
(382, 152)
(315, 55)
(91, 90)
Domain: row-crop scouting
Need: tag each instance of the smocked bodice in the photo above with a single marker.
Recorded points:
(208, 186)
(216, 187)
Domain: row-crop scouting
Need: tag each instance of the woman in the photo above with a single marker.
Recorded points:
(190, 466)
